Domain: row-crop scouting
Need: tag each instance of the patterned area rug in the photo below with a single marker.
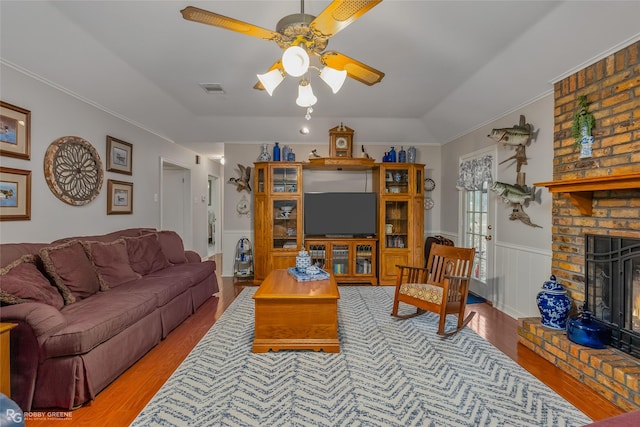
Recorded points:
(389, 372)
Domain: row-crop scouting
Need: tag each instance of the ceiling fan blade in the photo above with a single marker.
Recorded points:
(202, 16)
(277, 64)
(355, 69)
(338, 15)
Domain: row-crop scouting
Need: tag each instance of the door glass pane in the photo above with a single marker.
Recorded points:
(396, 224)
(476, 226)
(285, 224)
(285, 180)
(396, 181)
(364, 254)
(340, 259)
(260, 188)
(318, 254)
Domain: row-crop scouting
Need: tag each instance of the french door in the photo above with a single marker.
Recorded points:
(477, 226)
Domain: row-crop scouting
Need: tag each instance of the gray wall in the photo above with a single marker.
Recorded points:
(55, 114)
(523, 253)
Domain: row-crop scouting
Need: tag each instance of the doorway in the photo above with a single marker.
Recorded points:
(477, 218)
(175, 197)
(213, 215)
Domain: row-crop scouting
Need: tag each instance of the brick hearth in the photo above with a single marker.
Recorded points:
(612, 373)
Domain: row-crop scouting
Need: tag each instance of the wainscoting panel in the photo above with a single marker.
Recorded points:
(519, 275)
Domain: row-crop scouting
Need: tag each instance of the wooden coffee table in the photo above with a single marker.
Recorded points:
(292, 315)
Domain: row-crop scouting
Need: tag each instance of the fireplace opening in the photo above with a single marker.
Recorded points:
(612, 288)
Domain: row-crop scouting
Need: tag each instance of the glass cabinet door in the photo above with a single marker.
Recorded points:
(419, 182)
(285, 224)
(396, 180)
(284, 180)
(340, 259)
(260, 186)
(396, 224)
(364, 259)
(318, 254)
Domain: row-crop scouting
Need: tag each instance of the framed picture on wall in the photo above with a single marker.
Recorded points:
(119, 156)
(15, 131)
(15, 194)
(119, 197)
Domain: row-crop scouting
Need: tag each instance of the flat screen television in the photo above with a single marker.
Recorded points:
(340, 214)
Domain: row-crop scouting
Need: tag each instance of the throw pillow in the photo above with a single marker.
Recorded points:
(111, 262)
(171, 244)
(21, 281)
(70, 270)
(145, 254)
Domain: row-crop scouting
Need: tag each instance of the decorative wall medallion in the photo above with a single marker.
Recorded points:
(428, 203)
(73, 170)
(429, 184)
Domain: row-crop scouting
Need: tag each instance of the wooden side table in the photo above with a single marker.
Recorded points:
(5, 358)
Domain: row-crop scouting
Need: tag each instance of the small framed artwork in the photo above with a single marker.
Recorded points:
(119, 156)
(119, 197)
(15, 131)
(15, 194)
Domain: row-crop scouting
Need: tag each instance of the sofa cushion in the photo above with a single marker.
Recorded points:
(70, 270)
(111, 262)
(21, 282)
(94, 320)
(195, 272)
(171, 244)
(145, 254)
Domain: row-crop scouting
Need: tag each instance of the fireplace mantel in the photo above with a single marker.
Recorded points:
(580, 191)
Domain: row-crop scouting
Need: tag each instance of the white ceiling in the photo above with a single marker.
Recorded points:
(451, 66)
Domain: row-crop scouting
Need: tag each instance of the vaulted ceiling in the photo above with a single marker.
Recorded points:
(450, 66)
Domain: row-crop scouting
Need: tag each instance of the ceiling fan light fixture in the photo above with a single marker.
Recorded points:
(271, 80)
(295, 61)
(306, 98)
(333, 78)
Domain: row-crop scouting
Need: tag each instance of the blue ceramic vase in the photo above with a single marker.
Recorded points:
(554, 304)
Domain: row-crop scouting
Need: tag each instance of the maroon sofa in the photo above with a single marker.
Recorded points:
(87, 308)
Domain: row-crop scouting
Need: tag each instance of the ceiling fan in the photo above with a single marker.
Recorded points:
(301, 35)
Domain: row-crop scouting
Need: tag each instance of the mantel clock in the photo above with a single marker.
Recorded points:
(340, 141)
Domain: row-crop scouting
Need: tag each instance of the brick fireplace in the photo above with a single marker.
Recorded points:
(598, 195)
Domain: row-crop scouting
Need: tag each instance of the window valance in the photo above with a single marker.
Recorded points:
(474, 172)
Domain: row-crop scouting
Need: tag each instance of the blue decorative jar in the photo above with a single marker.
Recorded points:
(581, 330)
(554, 304)
(303, 261)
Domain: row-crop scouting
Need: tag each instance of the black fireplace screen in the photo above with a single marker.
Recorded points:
(612, 288)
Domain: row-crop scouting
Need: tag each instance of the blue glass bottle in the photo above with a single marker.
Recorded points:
(276, 152)
(402, 155)
(392, 155)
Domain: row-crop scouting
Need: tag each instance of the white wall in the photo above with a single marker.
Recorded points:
(523, 253)
(54, 114)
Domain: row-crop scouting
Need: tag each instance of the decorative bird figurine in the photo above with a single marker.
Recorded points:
(243, 182)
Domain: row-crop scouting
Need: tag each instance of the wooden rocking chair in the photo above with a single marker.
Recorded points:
(441, 287)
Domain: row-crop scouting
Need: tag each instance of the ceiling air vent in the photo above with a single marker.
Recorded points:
(212, 87)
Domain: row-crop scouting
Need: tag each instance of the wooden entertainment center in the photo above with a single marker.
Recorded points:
(278, 221)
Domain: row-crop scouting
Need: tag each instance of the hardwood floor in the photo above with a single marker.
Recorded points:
(120, 403)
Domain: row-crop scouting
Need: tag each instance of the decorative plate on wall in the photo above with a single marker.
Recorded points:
(73, 170)
(428, 203)
(429, 184)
